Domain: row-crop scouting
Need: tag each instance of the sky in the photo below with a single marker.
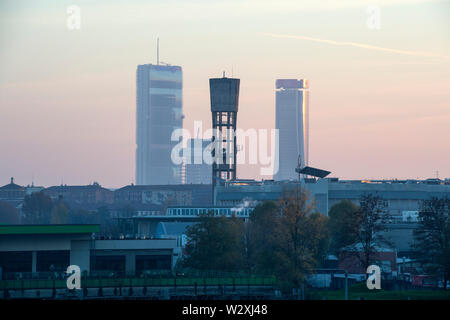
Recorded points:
(379, 97)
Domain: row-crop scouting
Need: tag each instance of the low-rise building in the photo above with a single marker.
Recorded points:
(12, 192)
(29, 251)
(93, 194)
(351, 260)
(164, 195)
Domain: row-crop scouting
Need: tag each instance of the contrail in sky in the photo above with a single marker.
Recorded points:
(360, 45)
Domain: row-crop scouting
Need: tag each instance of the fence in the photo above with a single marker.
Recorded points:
(25, 284)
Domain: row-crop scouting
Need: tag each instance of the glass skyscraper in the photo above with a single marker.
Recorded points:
(159, 112)
(292, 103)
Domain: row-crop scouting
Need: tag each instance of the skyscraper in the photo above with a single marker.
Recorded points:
(292, 103)
(158, 113)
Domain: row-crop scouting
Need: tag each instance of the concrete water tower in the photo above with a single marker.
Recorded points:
(224, 94)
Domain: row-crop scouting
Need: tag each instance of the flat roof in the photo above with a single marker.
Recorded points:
(49, 229)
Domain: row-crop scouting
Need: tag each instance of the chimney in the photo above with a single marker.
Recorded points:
(12, 180)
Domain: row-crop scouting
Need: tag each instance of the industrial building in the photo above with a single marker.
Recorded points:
(242, 192)
(179, 217)
(402, 197)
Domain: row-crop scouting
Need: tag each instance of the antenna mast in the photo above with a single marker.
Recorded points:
(157, 51)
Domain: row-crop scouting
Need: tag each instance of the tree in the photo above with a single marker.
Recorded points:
(262, 229)
(370, 221)
(8, 214)
(301, 238)
(215, 243)
(433, 236)
(37, 208)
(60, 213)
(287, 239)
(320, 234)
(108, 225)
(82, 216)
(343, 224)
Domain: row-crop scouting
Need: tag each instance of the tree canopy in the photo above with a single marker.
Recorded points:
(8, 214)
(287, 239)
(359, 231)
(216, 243)
(37, 208)
(343, 224)
(433, 236)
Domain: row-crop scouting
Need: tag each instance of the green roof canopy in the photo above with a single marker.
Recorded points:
(49, 229)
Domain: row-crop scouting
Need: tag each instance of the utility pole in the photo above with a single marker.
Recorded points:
(346, 285)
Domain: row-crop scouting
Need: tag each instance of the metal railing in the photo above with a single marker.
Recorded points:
(112, 278)
(137, 282)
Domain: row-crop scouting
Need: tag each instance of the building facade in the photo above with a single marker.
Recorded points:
(250, 193)
(291, 120)
(164, 195)
(79, 196)
(31, 250)
(197, 170)
(402, 199)
(12, 192)
(159, 113)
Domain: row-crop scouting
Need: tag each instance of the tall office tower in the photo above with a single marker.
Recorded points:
(224, 93)
(292, 103)
(198, 171)
(159, 112)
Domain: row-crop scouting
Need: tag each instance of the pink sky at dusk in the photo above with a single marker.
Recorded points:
(67, 98)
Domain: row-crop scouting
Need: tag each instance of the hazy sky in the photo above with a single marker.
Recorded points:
(379, 101)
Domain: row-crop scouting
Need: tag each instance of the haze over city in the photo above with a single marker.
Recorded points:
(379, 98)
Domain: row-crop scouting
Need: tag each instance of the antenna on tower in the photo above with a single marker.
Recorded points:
(157, 51)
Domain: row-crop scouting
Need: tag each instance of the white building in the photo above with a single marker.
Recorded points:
(292, 103)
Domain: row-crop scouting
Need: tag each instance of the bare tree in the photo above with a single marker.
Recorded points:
(433, 236)
(371, 219)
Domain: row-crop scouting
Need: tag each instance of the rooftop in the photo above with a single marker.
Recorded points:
(62, 188)
(12, 185)
(49, 229)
